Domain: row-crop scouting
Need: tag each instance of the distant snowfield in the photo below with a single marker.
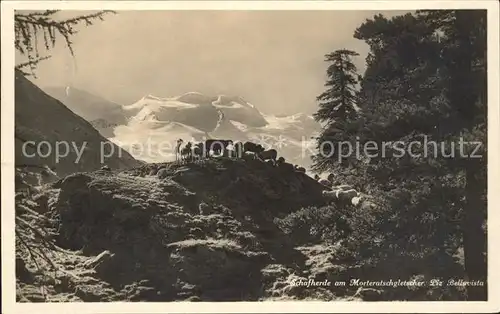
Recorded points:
(232, 104)
(220, 104)
(240, 126)
(278, 123)
(154, 103)
(150, 127)
(155, 124)
(282, 123)
(152, 140)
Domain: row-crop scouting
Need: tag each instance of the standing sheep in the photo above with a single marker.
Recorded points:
(229, 151)
(325, 183)
(218, 147)
(251, 156)
(300, 169)
(331, 177)
(347, 196)
(178, 149)
(283, 165)
(343, 187)
(198, 150)
(252, 147)
(186, 152)
(238, 150)
(271, 154)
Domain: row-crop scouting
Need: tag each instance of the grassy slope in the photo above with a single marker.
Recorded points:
(205, 232)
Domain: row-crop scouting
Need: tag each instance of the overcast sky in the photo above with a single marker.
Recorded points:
(274, 59)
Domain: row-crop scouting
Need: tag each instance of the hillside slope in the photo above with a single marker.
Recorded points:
(87, 105)
(103, 114)
(41, 118)
(216, 230)
(199, 231)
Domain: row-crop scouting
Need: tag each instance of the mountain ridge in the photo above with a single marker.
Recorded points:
(42, 119)
(194, 116)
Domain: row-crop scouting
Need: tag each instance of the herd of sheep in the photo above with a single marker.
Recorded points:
(344, 194)
(338, 193)
(228, 148)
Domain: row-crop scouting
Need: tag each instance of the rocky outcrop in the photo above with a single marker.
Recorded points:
(202, 231)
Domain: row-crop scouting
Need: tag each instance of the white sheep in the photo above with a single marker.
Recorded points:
(356, 200)
(343, 187)
(325, 183)
(347, 195)
(330, 195)
(251, 156)
(367, 205)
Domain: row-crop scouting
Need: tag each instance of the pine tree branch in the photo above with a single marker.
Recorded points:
(31, 64)
(27, 29)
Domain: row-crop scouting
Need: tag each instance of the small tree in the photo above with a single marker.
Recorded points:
(337, 106)
(425, 82)
(339, 100)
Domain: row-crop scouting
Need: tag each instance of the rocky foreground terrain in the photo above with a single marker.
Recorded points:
(213, 230)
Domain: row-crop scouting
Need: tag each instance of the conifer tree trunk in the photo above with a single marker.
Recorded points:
(474, 239)
(464, 96)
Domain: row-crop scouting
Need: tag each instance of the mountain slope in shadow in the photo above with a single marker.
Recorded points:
(44, 125)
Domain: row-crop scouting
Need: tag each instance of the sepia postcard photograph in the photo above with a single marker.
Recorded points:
(250, 156)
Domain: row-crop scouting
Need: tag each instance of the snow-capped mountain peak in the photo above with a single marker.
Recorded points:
(196, 116)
